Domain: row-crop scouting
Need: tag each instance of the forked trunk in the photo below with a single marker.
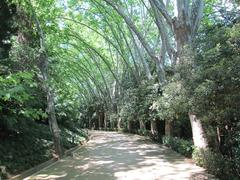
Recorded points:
(199, 136)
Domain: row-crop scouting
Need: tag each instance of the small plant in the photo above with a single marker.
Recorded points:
(179, 145)
(215, 163)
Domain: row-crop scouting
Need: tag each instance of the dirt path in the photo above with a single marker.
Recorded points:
(111, 155)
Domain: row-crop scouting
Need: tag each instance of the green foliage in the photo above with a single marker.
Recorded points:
(172, 103)
(212, 86)
(236, 152)
(34, 145)
(16, 99)
(136, 104)
(179, 145)
(18, 150)
(129, 109)
(97, 70)
(215, 163)
(6, 29)
(144, 132)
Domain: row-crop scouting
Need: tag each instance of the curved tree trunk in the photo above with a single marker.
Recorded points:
(199, 136)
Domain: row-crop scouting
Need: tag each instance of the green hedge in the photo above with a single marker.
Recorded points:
(143, 132)
(34, 145)
(179, 145)
(216, 164)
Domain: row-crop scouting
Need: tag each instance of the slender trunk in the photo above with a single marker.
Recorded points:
(151, 52)
(142, 125)
(129, 126)
(154, 130)
(168, 128)
(199, 136)
(105, 121)
(44, 69)
(219, 138)
(99, 121)
(139, 51)
(160, 66)
(119, 124)
(43, 66)
(112, 124)
(53, 124)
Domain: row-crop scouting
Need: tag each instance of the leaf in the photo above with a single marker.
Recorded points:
(7, 97)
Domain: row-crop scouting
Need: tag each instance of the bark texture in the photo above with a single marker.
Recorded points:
(199, 136)
(154, 129)
(119, 124)
(44, 69)
(50, 105)
(168, 128)
(142, 125)
(129, 126)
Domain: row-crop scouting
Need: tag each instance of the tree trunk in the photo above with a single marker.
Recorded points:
(199, 136)
(105, 121)
(151, 52)
(99, 121)
(53, 123)
(154, 130)
(168, 128)
(129, 126)
(142, 125)
(44, 69)
(119, 124)
(43, 66)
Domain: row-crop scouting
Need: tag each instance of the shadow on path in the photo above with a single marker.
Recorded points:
(111, 155)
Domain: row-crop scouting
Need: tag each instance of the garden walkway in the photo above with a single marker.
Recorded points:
(112, 155)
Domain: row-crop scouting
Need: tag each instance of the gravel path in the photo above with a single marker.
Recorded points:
(112, 155)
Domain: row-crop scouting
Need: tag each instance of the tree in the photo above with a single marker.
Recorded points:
(26, 8)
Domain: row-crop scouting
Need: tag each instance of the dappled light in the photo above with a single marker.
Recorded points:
(120, 89)
(111, 155)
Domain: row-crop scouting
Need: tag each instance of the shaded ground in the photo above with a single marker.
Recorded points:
(111, 155)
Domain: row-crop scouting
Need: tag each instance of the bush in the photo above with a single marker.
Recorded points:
(22, 151)
(179, 145)
(143, 132)
(215, 163)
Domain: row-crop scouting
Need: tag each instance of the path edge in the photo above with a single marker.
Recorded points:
(48, 163)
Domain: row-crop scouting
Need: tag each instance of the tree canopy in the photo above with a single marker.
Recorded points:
(161, 68)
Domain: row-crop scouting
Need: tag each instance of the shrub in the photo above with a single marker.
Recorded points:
(215, 163)
(22, 151)
(179, 145)
(143, 132)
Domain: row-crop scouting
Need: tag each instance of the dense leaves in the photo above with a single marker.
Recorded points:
(137, 66)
